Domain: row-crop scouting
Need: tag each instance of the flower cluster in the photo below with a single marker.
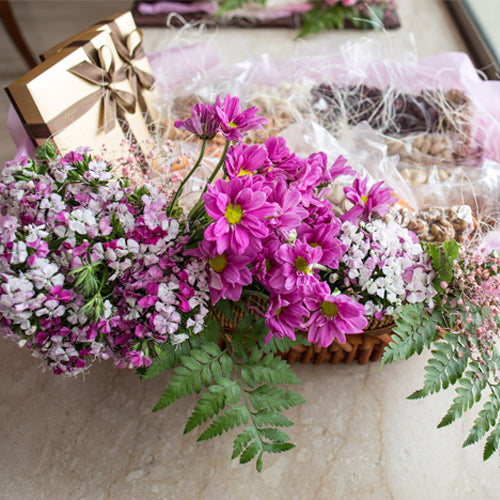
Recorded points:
(384, 266)
(91, 268)
(271, 228)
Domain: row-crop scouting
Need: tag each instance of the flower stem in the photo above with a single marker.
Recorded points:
(197, 209)
(219, 165)
(191, 172)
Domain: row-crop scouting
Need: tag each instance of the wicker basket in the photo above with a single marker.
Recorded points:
(362, 347)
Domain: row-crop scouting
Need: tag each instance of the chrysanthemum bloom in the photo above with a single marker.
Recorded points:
(339, 168)
(376, 200)
(228, 271)
(284, 315)
(234, 121)
(239, 208)
(246, 160)
(283, 162)
(289, 210)
(295, 268)
(204, 121)
(325, 237)
(333, 316)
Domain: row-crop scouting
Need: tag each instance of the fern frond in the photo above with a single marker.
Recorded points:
(443, 369)
(414, 330)
(236, 415)
(486, 419)
(271, 397)
(469, 392)
(492, 443)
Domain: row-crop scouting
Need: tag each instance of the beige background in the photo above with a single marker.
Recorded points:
(357, 436)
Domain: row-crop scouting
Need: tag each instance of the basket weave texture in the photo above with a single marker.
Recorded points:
(362, 347)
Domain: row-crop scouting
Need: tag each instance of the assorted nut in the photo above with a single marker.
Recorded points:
(436, 224)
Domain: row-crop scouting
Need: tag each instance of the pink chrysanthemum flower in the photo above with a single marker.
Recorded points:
(289, 210)
(295, 268)
(229, 272)
(234, 121)
(333, 316)
(246, 160)
(376, 200)
(325, 237)
(204, 121)
(239, 208)
(284, 315)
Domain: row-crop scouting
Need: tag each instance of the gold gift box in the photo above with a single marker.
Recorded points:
(54, 101)
(128, 42)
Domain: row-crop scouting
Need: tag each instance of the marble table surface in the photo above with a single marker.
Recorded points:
(357, 437)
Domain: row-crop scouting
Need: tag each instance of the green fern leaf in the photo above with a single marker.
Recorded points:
(487, 418)
(236, 415)
(278, 447)
(414, 330)
(263, 418)
(274, 434)
(242, 441)
(208, 405)
(492, 443)
(250, 452)
(271, 397)
(443, 369)
(277, 371)
(224, 306)
(469, 391)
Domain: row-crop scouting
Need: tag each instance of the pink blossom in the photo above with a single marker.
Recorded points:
(376, 200)
(246, 160)
(204, 121)
(234, 121)
(333, 316)
(240, 209)
(285, 314)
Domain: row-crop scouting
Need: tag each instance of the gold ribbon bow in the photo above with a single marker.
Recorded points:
(131, 51)
(114, 100)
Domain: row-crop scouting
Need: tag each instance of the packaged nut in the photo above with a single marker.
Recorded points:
(436, 224)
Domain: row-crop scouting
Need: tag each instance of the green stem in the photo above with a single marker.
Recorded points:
(219, 165)
(191, 172)
(198, 207)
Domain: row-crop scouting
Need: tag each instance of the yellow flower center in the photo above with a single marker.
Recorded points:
(219, 263)
(301, 265)
(314, 245)
(364, 199)
(232, 124)
(233, 213)
(245, 172)
(329, 309)
(278, 311)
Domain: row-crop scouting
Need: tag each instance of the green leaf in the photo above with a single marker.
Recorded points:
(492, 443)
(469, 392)
(414, 330)
(487, 417)
(228, 5)
(250, 452)
(443, 261)
(274, 434)
(277, 371)
(443, 369)
(236, 415)
(271, 418)
(212, 331)
(243, 439)
(322, 18)
(208, 405)
(271, 397)
(278, 447)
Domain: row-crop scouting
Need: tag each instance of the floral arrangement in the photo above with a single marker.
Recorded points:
(92, 268)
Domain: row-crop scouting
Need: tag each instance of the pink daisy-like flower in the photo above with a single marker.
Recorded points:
(228, 271)
(234, 121)
(333, 316)
(239, 208)
(325, 237)
(289, 210)
(246, 160)
(204, 121)
(295, 268)
(284, 315)
(376, 200)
